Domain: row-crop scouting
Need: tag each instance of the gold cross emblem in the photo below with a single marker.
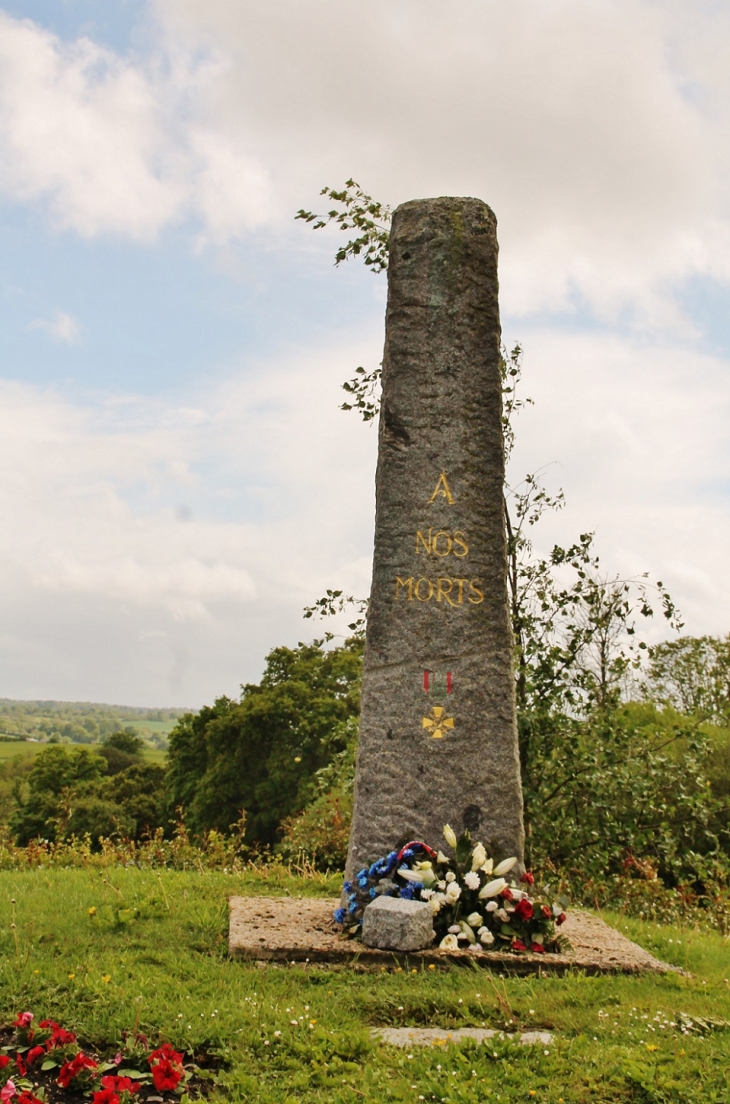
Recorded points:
(438, 723)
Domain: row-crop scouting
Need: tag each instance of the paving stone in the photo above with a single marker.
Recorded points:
(438, 1036)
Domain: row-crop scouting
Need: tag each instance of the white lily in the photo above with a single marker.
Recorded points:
(410, 875)
(486, 937)
(474, 920)
(478, 857)
(441, 857)
(505, 866)
(466, 932)
(492, 906)
(436, 902)
(491, 889)
(453, 892)
(450, 836)
(449, 943)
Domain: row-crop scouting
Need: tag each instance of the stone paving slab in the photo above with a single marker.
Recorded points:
(438, 1036)
(301, 929)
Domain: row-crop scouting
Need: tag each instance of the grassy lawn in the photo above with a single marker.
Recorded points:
(22, 749)
(154, 952)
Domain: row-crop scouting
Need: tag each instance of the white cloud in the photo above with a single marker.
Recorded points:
(61, 326)
(596, 131)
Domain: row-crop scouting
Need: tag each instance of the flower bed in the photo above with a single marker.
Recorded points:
(475, 907)
(43, 1064)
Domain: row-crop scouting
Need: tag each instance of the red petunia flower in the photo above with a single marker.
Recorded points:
(537, 948)
(518, 945)
(34, 1053)
(4, 1061)
(561, 919)
(22, 1068)
(25, 1019)
(28, 1097)
(105, 1096)
(165, 1076)
(60, 1037)
(119, 1084)
(49, 1023)
(166, 1051)
(524, 909)
(528, 878)
(72, 1069)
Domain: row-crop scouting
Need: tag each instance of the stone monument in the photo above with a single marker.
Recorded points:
(438, 737)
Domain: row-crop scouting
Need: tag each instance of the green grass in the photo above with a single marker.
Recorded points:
(99, 972)
(20, 749)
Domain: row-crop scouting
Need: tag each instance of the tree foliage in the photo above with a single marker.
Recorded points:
(262, 753)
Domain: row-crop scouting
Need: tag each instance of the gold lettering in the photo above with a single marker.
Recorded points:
(475, 590)
(435, 547)
(401, 583)
(461, 590)
(458, 539)
(442, 592)
(442, 488)
(426, 543)
(418, 589)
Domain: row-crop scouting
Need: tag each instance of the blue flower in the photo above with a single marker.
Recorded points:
(363, 882)
(373, 892)
(347, 887)
(391, 861)
(362, 873)
(339, 915)
(353, 907)
(407, 892)
(408, 853)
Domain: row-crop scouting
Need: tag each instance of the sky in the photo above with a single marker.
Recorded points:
(177, 480)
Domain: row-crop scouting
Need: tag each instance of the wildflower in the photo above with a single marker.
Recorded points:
(106, 978)
(478, 857)
(471, 880)
(505, 866)
(450, 835)
(92, 910)
(449, 943)
(492, 889)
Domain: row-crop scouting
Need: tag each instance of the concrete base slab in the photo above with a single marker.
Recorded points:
(301, 929)
(437, 1036)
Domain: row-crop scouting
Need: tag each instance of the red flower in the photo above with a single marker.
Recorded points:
(537, 948)
(105, 1096)
(25, 1019)
(60, 1037)
(165, 1075)
(73, 1068)
(506, 893)
(518, 945)
(119, 1084)
(524, 909)
(561, 919)
(546, 911)
(48, 1023)
(4, 1061)
(28, 1098)
(165, 1051)
(22, 1068)
(35, 1053)
(528, 878)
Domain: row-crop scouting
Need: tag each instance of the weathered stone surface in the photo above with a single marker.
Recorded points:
(438, 740)
(439, 1036)
(393, 924)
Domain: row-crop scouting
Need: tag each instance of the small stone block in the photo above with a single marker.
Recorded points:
(394, 924)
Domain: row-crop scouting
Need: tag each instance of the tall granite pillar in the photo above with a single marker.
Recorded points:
(438, 739)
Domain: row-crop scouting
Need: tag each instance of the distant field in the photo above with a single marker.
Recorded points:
(23, 750)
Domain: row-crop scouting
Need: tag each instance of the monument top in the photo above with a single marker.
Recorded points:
(438, 739)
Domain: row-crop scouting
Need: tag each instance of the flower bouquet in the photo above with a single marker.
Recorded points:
(474, 905)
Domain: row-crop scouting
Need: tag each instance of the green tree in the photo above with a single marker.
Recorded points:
(262, 753)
